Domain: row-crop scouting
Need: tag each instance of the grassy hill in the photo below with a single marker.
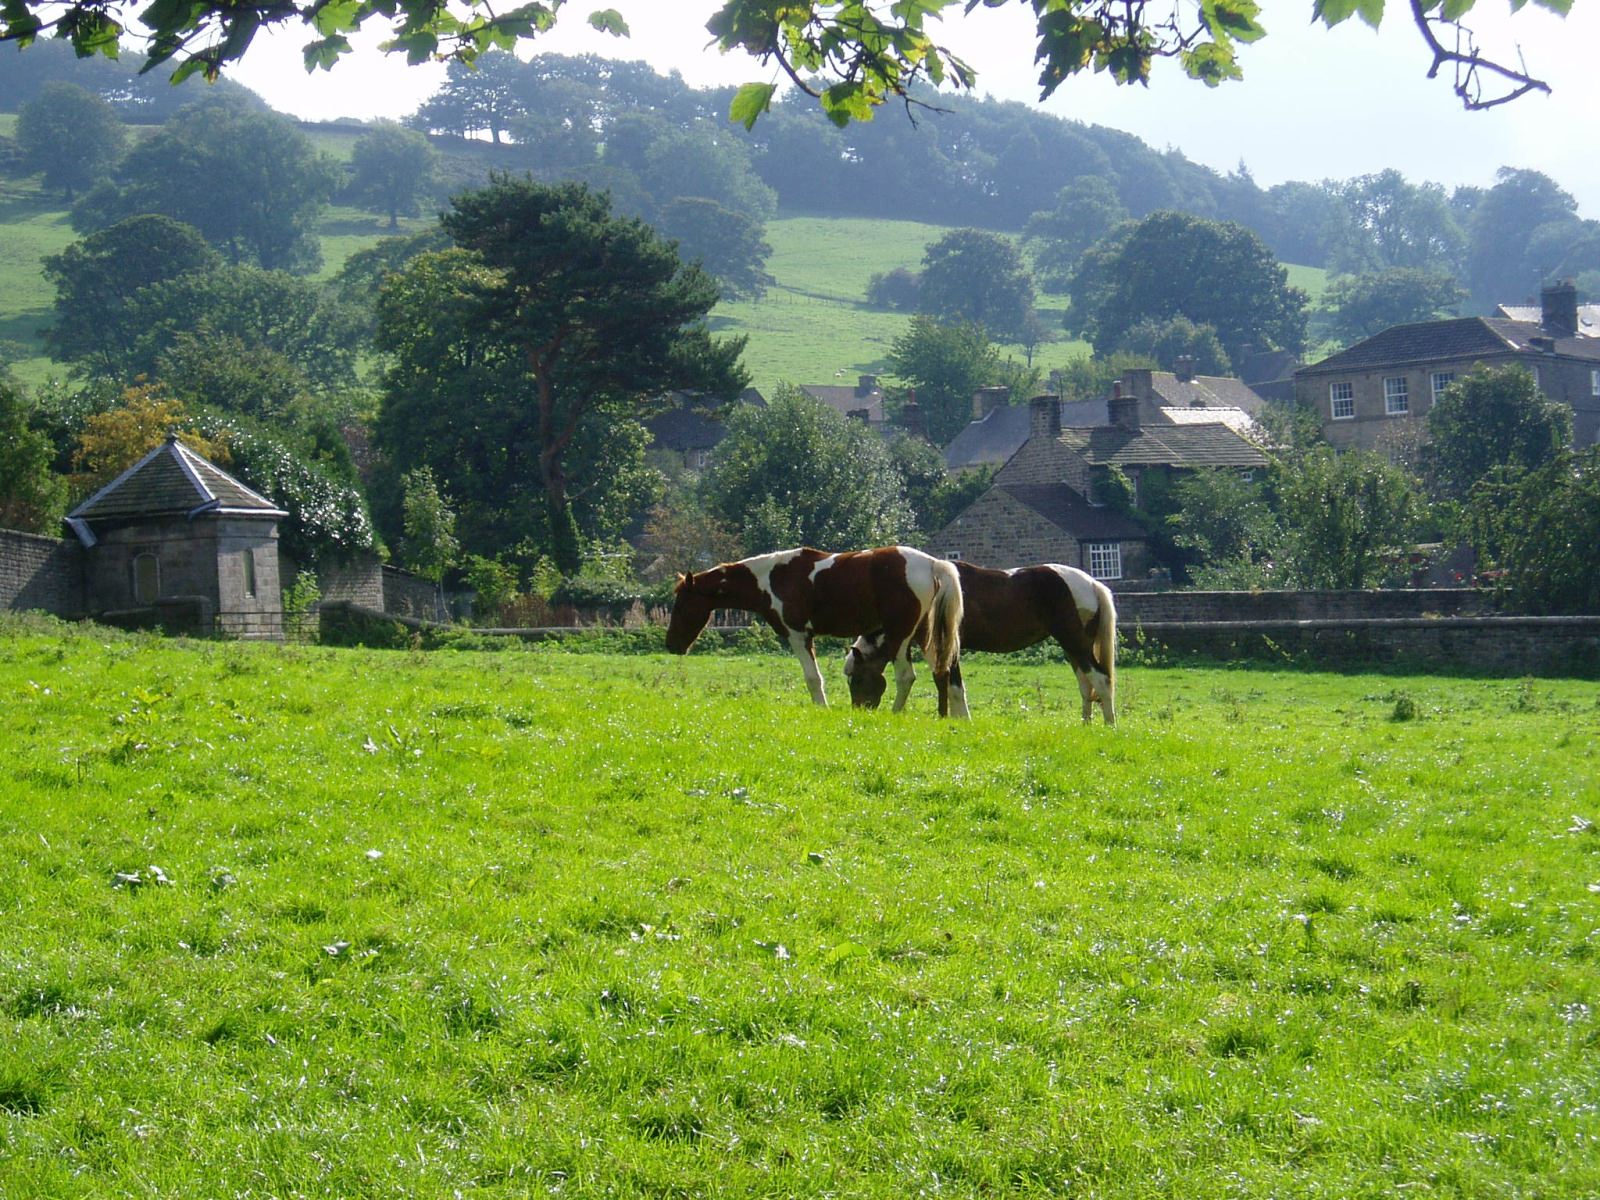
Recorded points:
(812, 326)
(312, 922)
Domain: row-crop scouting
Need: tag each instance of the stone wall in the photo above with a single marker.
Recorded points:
(359, 581)
(1550, 646)
(1200, 607)
(408, 595)
(43, 573)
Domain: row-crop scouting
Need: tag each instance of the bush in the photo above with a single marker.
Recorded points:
(899, 289)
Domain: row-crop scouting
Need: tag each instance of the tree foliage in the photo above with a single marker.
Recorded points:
(112, 441)
(945, 365)
(1540, 528)
(852, 57)
(1085, 211)
(1166, 341)
(1494, 417)
(728, 245)
(33, 498)
(97, 282)
(553, 321)
(1359, 306)
(1214, 273)
(1226, 526)
(70, 136)
(391, 169)
(1344, 514)
(972, 276)
(429, 547)
(246, 178)
(797, 473)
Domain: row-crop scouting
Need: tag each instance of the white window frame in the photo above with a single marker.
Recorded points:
(1396, 396)
(1108, 556)
(1343, 393)
(1594, 382)
(1449, 377)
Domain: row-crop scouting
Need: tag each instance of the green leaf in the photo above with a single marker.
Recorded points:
(750, 101)
(1333, 12)
(337, 16)
(325, 52)
(609, 20)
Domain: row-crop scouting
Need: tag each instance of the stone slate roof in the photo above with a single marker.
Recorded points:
(1208, 445)
(173, 480)
(1069, 511)
(847, 398)
(1533, 314)
(1236, 419)
(1267, 366)
(1208, 391)
(1000, 433)
(687, 427)
(1461, 337)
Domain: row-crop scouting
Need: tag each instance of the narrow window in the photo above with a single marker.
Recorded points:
(249, 573)
(1105, 559)
(1396, 396)
(1594, 383)
(146, 578)
(1440, 381)
(1342, 401)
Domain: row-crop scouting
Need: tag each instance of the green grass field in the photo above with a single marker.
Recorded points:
(314, 922)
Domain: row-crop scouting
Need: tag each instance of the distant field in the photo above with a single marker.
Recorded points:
(337, 923)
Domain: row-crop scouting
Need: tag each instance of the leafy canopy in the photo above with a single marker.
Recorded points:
(851, 55)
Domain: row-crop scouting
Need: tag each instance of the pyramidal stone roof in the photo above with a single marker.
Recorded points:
(172, 480)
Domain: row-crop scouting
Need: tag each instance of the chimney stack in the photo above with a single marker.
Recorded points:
(1185, 368)
(1044, 417)
(866, 385)
(1558, 304)
(986, 399)
(911, 417)
(1123, 410)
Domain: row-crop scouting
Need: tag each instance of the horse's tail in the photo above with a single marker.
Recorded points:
(944, 618)
(1105, 634)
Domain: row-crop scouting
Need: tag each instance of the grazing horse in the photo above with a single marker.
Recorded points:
(893, 591)
(1011, 610)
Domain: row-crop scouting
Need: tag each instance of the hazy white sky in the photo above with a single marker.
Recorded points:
(1314, 103)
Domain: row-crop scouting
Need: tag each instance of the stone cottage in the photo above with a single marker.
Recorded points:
(1044, 505)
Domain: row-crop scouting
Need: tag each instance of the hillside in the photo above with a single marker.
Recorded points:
(811, 327)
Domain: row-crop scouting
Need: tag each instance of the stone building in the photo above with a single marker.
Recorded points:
(178, 538)
(1044, 505)
(1377, 393)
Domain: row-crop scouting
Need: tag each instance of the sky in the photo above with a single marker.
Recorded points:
(1314, 103)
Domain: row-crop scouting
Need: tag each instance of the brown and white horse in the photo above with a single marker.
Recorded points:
(894, 592)
(1011, 610)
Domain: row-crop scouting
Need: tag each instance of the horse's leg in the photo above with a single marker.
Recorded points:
(1086, 690)
(956, 691)
(904, 675)
(801, 643)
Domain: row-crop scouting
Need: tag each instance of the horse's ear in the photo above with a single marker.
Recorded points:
(684, 579)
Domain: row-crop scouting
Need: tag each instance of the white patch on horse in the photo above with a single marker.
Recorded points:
(919, 574)
(1082, 588)
(762, 566)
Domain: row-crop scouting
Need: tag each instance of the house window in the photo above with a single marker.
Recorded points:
(1105, 559)
(249, 573)
(1342, 401)
(1440, 381)
(146, 578)
(1594, 383)
(1396, 396)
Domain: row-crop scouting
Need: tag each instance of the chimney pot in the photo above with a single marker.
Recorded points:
(1185, 368)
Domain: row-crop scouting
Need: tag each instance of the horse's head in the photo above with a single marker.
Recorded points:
(692, 602)
(864, 665)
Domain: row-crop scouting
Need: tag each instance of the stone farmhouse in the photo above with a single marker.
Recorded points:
(687, 432)
(863, 400)
(1378, 391)
(1043, 505)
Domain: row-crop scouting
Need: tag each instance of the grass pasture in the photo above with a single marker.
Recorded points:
(550, 923)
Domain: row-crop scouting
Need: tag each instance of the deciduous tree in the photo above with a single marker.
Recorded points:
(33, 497)
(946, 364)
(797, 473)
(1493, 417)
(391, 169)
(98, 279)
(1359, 306)
(1540, 528)
(1343, 515)
(1085, 211)
(969, 275)
(245, 177)
(1214, 273)
(70, 136)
